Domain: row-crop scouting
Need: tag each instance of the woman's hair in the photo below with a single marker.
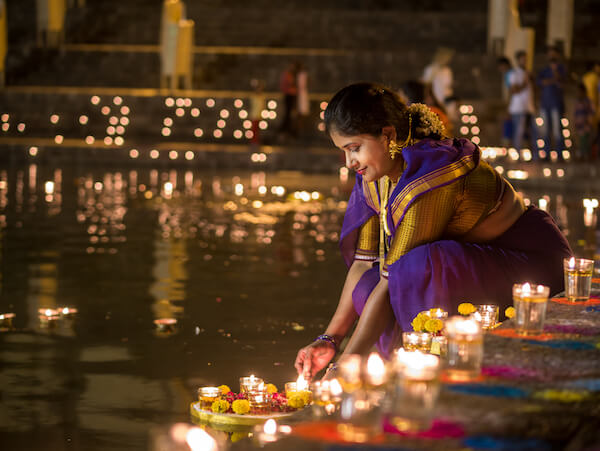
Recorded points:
(365, 108)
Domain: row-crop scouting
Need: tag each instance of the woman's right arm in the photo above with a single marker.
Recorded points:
(313, 358)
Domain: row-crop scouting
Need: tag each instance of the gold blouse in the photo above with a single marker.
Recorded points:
(446, 212)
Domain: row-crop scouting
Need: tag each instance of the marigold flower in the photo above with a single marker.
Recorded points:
(434, 325)
(466, 308)
(220, 406)
(271, 388)
(224, 389)
(417, 324)
(241, 406)
(296, 401)
(510, 312)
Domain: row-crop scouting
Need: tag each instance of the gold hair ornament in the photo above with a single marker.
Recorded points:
(395, 148)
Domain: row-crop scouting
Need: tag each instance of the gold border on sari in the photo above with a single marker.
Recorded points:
(429, 181)
(371, 194)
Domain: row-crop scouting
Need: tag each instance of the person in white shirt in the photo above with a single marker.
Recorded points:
(521, 107)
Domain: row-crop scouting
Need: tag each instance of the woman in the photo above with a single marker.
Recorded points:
(428, 224)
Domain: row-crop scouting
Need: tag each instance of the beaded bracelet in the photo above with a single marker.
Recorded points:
(329, 339)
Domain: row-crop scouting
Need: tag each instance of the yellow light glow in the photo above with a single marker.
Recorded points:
(166, 131)
(119, 140)
(33, 151)
(271, 104)
(198, 132)
(124, 110)
(169, 102)
(108, 141)
(89, 140)
(238, 134)
(83, 119)
(238, 103)
(221, 123)
(133, 153)
(195, 112)
(210, 103)
(218, 133)
(95, 100)
(323, 105)
(189, 155)
(179, 112)
(224, 113)
(117, 100)
(54, 118)
(154, 154)
(173, 155)
(58, 139)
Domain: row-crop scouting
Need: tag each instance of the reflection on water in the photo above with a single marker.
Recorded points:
(180, 278)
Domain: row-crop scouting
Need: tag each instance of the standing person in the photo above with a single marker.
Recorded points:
(591, 80)
(289, 89)
(583, 123)
(551, 80)
(505, 69)
(520, 106)
(428, 224)
(303, 100)
(439, 77)
(257, 105)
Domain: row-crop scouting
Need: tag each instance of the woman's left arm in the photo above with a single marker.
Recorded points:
(374, 319)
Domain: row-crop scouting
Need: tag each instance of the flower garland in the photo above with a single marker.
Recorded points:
(428, 122)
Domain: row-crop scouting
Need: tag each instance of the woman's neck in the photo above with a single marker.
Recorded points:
(397, 169)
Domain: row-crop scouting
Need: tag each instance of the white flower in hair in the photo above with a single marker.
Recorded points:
(428, 122)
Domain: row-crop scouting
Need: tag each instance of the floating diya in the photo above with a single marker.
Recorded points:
(6, 321)
(48, 317)
(165, 326)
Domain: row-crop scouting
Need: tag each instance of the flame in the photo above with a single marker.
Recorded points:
(526, 288)
(376, 369)
(270, 426)
(572, 263)
(301, 383)
(199, 440)
(335, 387)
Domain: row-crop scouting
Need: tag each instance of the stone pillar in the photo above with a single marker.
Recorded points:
(50, 22)
(3, 42)
(518, 37)
(184, 64)
(498, 17)
(560, 25)
(173, 12)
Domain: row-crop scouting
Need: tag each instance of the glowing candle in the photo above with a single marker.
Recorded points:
(376, 372)
(465, 348)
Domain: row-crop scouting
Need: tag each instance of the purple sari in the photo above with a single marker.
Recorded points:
(445, 273)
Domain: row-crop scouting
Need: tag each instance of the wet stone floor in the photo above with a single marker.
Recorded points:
(246, 263)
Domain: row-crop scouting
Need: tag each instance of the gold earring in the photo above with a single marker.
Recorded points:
(394, 148)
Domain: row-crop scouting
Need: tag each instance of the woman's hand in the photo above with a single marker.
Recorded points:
(313, 358)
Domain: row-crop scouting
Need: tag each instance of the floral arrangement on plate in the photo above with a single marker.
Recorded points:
(264, 401)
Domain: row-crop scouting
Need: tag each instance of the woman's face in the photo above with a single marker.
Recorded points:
(366, 154)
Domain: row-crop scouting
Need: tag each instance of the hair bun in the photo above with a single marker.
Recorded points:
(425, 122)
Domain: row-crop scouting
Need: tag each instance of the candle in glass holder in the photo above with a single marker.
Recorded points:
(530, 303)
(376, 373)
(208, 395)
(250, 383)
(437, 313)
(259, 399)
(416, 341)
(487, 315)
(6, 320)
(299, 387)
(465, 348)
(349, 369)
(326, 397)
(416, 390)
(578, 278)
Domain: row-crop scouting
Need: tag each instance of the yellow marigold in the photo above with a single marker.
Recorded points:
(220, 406)
(417, 324)
(296, 401)
(466, 308)
(562, 395)
(241, 406)
(224, 389)
(237, 436)
(510, 312)
(434, 325)
(271, 388)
